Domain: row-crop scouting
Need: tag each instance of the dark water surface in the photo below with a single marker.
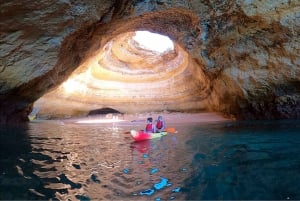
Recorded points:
(258, 160)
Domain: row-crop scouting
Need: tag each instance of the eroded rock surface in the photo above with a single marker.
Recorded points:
(240, 58)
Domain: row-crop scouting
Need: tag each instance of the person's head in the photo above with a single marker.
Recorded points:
(159, 118)
(149, 119)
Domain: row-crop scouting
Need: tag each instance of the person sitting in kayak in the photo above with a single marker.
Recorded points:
(160, 124)
(150, 127)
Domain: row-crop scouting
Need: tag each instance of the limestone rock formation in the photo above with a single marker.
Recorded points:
(240, 58)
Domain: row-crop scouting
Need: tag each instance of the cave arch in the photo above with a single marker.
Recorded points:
(110, 70)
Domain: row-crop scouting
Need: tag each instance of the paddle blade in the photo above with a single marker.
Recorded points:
(171, 130)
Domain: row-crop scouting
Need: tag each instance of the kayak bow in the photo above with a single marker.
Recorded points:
(141, 135)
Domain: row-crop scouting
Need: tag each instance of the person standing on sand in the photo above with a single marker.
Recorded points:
(160, 124)
(150, 127)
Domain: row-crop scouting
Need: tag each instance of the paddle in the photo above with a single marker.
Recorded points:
(171, 130)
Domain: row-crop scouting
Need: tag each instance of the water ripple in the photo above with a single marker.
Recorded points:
(94, 162)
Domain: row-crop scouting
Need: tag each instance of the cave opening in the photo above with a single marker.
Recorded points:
(103, 111)
(153, 41)
(135, 71)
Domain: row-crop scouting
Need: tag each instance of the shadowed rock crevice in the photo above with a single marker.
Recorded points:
(103, 111)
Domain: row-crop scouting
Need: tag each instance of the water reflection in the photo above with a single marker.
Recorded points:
(17, 178)
(49, 160)
(253, 160)
(101, 162)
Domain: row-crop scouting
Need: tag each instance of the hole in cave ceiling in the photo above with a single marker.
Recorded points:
(153, 41)
(134, 72)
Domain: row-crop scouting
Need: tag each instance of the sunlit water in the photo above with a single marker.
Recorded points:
(244, 160)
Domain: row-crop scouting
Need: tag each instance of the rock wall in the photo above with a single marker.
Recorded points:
(243, 55)
(261, 69)
(32, 34)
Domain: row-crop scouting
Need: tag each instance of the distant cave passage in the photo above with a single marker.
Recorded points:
(102, 111)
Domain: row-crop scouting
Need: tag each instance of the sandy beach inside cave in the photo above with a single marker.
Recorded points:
(171, 118)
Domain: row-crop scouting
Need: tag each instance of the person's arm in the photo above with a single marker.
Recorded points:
(154, 128)
(163, 125)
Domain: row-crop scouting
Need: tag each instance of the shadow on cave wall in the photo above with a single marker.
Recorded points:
(103, 111)
(281, 101)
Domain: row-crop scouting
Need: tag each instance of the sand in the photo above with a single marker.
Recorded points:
(169, 117)
(178, 117)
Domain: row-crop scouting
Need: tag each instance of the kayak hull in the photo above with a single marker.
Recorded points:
(141, 135)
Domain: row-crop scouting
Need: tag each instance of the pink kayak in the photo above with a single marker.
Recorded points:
(141, 135)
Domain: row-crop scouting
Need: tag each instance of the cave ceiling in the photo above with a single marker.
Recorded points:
(124, 75)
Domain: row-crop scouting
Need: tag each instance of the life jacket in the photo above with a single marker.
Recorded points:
(159, 124)
(148, 128)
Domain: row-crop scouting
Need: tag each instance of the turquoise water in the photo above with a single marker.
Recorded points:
(258, 160)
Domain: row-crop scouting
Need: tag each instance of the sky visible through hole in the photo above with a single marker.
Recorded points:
(153, 41)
